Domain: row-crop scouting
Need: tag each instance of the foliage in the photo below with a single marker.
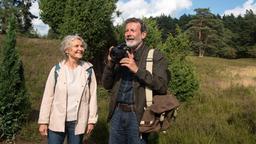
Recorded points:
(184, 20)
(183, 82)
(90, 19)
(243, 33)
(14, 102)
(214, 35)
(233, 25)
(248, 26)
(153, 39)
(52, 13)
(21, 10)
(252, 51)
(167, 25)
(119, 33)
(248, 33)
(206, 33)
(176, 47)
(228, 52)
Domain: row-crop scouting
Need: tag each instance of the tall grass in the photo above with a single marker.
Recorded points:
(223, 109)
(222, 112)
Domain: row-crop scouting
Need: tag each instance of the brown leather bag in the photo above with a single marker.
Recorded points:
(160, 110)
(159, 116)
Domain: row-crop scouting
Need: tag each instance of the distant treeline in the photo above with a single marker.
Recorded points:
(214, 35)
(225, 36)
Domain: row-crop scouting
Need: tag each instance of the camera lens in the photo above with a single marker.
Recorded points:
(118, 52)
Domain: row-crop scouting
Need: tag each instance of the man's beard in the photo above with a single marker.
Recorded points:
(133, 45)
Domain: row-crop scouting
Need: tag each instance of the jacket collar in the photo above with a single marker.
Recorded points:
(85, 65)
(138, 52)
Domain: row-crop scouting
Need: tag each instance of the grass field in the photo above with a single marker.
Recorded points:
(221, 112)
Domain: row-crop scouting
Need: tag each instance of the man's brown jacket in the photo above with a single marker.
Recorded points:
(111, 80)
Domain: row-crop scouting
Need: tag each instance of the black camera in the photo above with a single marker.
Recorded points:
(119, 52)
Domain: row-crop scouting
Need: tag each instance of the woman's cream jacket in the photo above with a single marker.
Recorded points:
(54, 104)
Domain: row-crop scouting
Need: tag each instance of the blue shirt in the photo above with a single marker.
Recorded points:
(125, 93)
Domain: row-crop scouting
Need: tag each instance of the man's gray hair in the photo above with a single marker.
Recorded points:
(143, 27)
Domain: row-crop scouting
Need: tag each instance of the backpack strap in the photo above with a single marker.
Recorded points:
(57, 70)
(89, 70)
(149, 67)
(56, 73)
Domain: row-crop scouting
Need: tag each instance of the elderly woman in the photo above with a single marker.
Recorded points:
(69, 104)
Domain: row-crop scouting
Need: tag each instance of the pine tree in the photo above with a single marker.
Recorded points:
(14, 102)
(21, 10)
(183, 81)
(206, 32)
(167, 25)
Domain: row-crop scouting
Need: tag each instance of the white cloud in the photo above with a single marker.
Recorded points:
(38, 24)
(147, 8)
(249, 4)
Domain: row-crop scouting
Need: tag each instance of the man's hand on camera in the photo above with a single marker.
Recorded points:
(129, 62)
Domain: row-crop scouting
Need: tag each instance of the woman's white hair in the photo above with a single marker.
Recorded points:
(66, 42)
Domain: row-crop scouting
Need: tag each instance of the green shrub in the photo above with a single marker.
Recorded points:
(183, 82)
(14, 102)
(228, 53)
(251, 51)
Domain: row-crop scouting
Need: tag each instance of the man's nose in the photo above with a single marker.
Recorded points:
(128, 33)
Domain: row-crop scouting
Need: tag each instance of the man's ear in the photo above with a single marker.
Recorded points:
(144, 34)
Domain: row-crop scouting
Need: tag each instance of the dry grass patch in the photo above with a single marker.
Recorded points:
(245, 76)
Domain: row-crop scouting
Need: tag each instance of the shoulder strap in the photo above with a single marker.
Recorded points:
(149, 67)
(89, 70)
(56, 73)
(57, 69)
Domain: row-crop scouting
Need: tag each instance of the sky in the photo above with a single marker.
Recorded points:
(174, 8)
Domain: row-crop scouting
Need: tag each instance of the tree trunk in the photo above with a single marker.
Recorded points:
(201, 49)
